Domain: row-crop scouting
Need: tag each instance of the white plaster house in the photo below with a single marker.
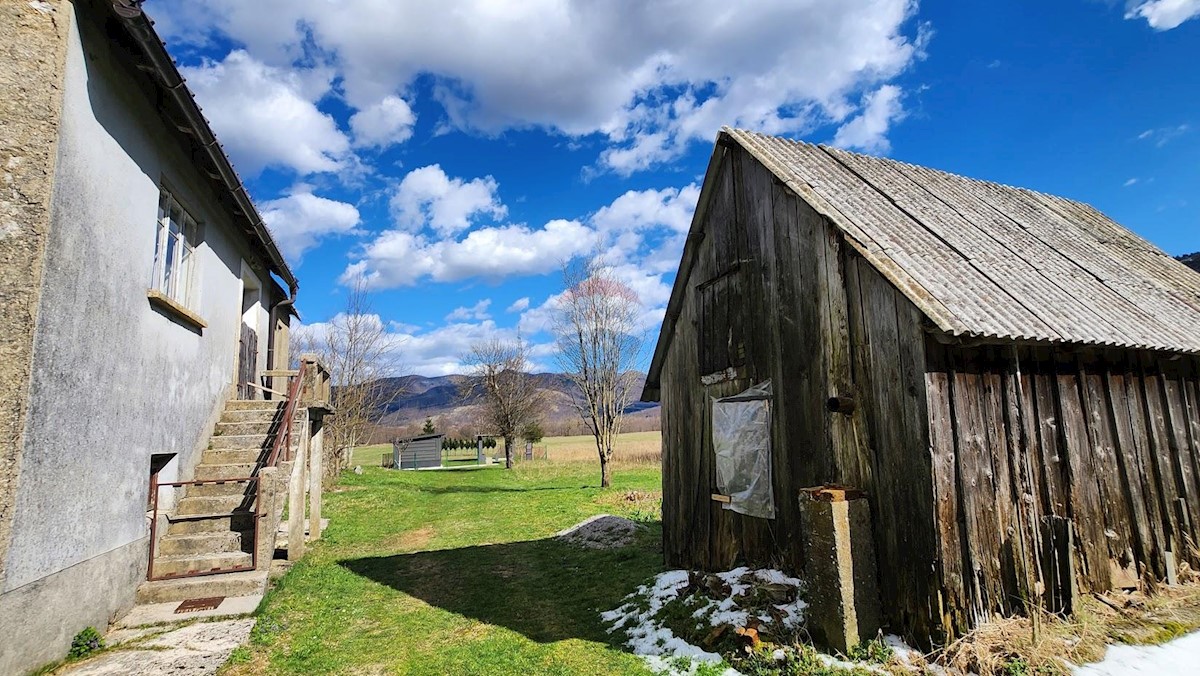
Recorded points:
(134, 271)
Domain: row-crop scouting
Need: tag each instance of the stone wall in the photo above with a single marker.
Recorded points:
(32, 60)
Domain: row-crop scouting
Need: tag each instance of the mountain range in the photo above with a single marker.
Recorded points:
(455, 407)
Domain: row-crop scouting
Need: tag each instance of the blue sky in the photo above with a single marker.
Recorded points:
(453, 154)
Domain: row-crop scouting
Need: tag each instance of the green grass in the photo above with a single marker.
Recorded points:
(455, 573)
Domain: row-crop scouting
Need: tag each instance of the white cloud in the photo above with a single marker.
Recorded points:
(1130, 182)
(649, 77)
(478, 311)
(1161, 136)
(428, 197)
(868, 130)
(398, 258)
(1163, 15)
(267, 116)
(519, 305)
(299, 221)
(641, 209)
(383, 124)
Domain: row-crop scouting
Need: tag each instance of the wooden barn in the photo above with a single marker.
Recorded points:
(1008, 375)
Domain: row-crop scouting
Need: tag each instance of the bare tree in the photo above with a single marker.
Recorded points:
(599, 343)
(362, 356)
(511, 398)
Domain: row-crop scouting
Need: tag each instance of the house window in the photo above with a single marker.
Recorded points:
(722, 342)
(175, 251)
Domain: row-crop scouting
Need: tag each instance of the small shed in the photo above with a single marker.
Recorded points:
(988, 363)
(417, 452)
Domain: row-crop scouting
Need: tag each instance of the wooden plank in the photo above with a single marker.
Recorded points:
(1082, 488)
(998, 450)
(1191, 398)
(1160, 456)
(976, 489)
(1170, 378)
(1140, 437)
(915, 486)
(1126, 464)
(953, 608)
(1118, 533)
(1025, 505)
(1052, 455)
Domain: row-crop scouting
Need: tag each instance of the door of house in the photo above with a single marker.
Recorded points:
(247, 363)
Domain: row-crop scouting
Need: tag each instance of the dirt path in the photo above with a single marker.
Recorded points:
(193, 650)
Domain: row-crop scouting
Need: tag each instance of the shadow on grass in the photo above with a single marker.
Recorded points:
(543, 589)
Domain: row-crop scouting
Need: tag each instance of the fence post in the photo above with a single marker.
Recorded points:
(315, 451)
(296, 500)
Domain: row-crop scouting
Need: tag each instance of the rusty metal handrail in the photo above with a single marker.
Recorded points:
(289, 412)
(283, 435)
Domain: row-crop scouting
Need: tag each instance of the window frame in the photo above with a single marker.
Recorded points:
(175, 246)
(717, 354)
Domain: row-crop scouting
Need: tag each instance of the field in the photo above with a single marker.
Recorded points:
(457, 573)
(633, 449)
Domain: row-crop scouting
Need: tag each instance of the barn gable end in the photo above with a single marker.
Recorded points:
(1019, 368)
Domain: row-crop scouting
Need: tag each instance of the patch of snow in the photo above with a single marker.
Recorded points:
(1180, 656)
(908, 655)
(662, 649)
(831, 661)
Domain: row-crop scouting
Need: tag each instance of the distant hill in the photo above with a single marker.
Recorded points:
(1191, 260)
(414, 398)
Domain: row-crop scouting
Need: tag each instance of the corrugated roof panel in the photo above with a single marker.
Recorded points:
(967, 231)
(946, 276)
(993, 260)
(1099, 313)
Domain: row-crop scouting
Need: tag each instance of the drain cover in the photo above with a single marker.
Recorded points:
(196, 605)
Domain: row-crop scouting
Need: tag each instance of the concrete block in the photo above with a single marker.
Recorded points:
(840, 567)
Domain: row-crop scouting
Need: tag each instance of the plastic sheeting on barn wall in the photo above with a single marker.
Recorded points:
(742, 442)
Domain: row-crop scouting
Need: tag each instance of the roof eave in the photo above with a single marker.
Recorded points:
(140, 28)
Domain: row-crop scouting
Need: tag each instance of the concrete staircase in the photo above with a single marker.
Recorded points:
(212, 525)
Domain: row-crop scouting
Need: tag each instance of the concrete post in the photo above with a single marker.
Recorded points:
(315, 450)
(840, 566)
(271, 489)
(479, 449)
(296, 491)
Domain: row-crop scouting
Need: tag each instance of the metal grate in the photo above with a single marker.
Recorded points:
(196, 605)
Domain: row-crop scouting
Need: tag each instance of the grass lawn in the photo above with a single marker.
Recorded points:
(426, 572)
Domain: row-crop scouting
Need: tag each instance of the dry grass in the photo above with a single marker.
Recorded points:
(1012, 646)
(633, 449)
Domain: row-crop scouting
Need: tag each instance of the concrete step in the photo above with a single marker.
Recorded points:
(225, 584)
(197, 563)
(213, 504)
(248, 415)
(203, 543)
(252, 405)
(238, 488)
(239, 441)
(257, 427)
(181, 524)
(234, 470)
(226, 456)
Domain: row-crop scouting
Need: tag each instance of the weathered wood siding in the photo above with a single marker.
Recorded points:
(1108, 439)
(816, 319)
